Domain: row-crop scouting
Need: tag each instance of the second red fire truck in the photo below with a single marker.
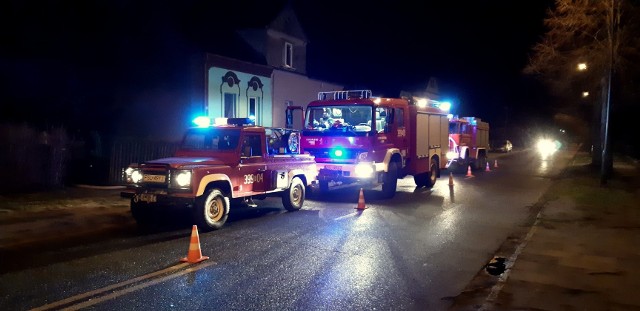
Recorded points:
(468, 143)
(356, 137)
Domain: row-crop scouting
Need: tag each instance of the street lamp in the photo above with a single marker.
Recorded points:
(585, 94)
(582, 66)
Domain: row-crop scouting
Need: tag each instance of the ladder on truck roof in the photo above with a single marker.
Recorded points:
(349, 94)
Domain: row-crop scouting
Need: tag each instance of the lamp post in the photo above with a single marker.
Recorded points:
(605, 169)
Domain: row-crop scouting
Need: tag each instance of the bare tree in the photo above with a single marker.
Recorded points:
(601, 34)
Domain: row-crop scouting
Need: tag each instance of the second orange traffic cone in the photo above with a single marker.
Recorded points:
(487, 169)
(361, 206)
(495, 164)
(469, 174)
(195, 254)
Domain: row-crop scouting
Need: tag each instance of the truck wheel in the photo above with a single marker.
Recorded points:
(482, 162)
(292, 143)
(142, 214)
(293, 197)
(421, 179)
(211, 210)
(433, 174)
(390, 181)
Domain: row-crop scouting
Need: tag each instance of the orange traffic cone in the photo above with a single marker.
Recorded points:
(194, 255)
(469, 174)
(487, 169)
(450, 178)
(361, 205)
(495, 164)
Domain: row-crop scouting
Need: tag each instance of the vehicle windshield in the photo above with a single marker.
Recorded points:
(211, 139)
(355, 118)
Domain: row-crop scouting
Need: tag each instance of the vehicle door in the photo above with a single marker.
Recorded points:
(398, 135)
(252, 165)
(385, 135)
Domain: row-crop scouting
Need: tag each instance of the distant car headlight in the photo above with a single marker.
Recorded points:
(452, 155)
(546, 147)
(363, 170)
(181, 179)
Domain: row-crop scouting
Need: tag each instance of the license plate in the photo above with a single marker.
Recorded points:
(146, 197)
(333, 167)
(153, 178)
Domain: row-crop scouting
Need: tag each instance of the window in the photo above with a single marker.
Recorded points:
(288, 55)
(208, 139)
(399, 115)
(382, 119)
(252, 146)
(254, 108)
(229, 105)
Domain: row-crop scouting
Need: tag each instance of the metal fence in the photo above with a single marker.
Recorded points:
(127, 151)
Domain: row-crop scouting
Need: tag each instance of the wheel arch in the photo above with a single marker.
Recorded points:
(220, 181)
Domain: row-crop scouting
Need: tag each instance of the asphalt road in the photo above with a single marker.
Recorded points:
(417, 251)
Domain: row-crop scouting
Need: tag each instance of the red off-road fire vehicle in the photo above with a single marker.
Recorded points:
(218, 164)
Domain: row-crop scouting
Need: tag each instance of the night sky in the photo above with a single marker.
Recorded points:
(62, 61)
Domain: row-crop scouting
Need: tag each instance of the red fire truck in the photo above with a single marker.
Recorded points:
(219, 164)
(468, 143)
(355, 137)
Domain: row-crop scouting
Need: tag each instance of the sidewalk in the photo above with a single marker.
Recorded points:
(582, 253)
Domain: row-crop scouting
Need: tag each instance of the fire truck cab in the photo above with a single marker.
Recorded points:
(217, 164)
(468, 143)
(357, 138)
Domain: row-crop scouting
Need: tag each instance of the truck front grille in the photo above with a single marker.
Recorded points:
(155, 176)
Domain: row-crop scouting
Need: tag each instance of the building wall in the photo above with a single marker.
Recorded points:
(299, 90)
(219, 84)
(275, 52)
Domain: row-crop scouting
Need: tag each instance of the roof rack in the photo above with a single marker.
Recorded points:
(348, 94)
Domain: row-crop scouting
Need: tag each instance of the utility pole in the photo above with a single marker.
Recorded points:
(605, 169)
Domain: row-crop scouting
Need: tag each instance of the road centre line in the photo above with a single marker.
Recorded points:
(170, 270)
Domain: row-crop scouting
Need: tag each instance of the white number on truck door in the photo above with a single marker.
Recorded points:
(253, 178)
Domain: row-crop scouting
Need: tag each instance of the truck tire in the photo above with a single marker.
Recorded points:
(293, 197)
(390, 181)
(211, 210)
(420, 179)
(433, 174)
(481, 162)
(429, 178)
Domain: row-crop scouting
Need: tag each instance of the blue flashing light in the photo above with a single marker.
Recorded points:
(252, 117)
(202, 121)
(337, 152)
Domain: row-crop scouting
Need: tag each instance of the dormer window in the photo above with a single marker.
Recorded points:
(288, 55)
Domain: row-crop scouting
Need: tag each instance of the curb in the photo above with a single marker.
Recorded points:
(99, 187)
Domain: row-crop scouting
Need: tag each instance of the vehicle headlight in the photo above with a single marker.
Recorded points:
(364, 170)
(546, 147)
(181, 178)
(133, 175)
(452, 155)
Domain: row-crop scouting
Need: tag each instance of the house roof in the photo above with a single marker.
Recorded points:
(220, 35)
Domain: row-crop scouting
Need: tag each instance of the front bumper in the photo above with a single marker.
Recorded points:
(159, 198)
(350, 173)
